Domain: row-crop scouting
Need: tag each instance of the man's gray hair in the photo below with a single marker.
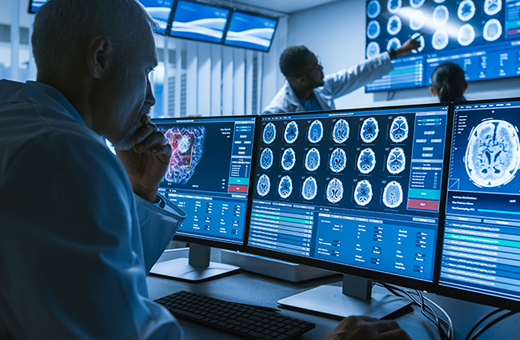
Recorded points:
(63, 26)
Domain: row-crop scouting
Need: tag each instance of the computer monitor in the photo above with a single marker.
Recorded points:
(208, 177)
(198, 21)
(481, 243)
(160, 11)
(250, 30)
(34, 5)
(354, 191)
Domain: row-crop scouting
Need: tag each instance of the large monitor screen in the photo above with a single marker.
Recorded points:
(482, 36)
(481, 245)
(208, 175)
(34, 5)
(250, 31)
(353, 191)
(159, 10)
(198, 21)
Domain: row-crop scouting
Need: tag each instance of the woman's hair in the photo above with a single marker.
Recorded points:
(449, 82)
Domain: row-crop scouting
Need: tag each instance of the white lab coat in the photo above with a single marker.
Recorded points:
(75, 243)
(335, 85)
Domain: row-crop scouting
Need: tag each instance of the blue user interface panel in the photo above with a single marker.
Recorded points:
(250, 31)
(160, 11)
(34, 5)
(360, 189)
(481, 246)
(208, 175)
(482, 36)
(199, 21)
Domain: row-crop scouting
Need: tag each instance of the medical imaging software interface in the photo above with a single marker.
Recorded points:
(208, 174)
(482, 36)
(481, 246)
(356, 188)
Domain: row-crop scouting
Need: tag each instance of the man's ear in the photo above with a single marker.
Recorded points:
(99, 56)
(432, 90)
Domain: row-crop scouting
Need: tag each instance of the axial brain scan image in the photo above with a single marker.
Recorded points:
(264, 185)
(366, 161)
(312, 160)
(466, 10)
(341, 131)
(417, 20)
(373, 9)
(369, 130)
(393, 43)
(393, 195)
(269, 134)
(417, 3)
(396, 161)
(187, 148)
(466, 35)
(363, 192)
(420, 40)
(373, 29)
(373, 49)
(493, 153)
(338, 160)
(315, 132)
(399, 129)
(288, 159)
(266, 159)
(492, 7)
(440, 39)
(309, 188)
(394, 5)
(394, 25)
(291, 132)
(285, 187)
(334, 191)
(492, 30)
(440, 15)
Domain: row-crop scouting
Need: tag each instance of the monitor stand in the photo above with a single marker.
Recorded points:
(355, 297)
(197, 267)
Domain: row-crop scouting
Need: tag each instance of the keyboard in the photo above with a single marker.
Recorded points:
(251, 322)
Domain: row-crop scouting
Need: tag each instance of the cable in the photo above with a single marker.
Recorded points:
(492, 323)
(481, 320)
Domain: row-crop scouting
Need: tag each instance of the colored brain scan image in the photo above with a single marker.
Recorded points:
(417, 20)
(288, 159)
(266, 159)
(394, 25)
(440, 39)
(466, 35)
(369, 130)
(341, 131)
(373, 29)
(187, 148)
(396, 161)
(312, 160)
(338, 160)
(493, 153)
(269, 134)
(492, 7)
(416, 3)
(291, 132)
(309, 188)
(315, 132)
(394, 5)
(394, 43)
(439, 1)
(466, 10)
(399, 129)
(285, 187)
(420, 40)
(440, 15)
(373, 9)
(334, 191)
(372, 49)
(393, 195)
(263, 186)
(366, 161)
(363, 192)
(492, 30)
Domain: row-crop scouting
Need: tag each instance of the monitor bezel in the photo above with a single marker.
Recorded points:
(209, 241)
(348, 269)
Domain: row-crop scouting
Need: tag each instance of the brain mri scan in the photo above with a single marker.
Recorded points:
(394, 25)
(416, 3)
(338, 160)
(187, 148)
(420, 40)
(395, 163)
(285, 187)
(493, 153)
(341, 131)
(440, 39)
(269, 134)
(393, 6)
(466, 35)
(439, 1)
(492, 30)
(334, 191)
(291, 132)
(263, 186)
(373, 9)
(288, 159)
(366, 161)
(372, 49)
(266, 159)
(309, 188)
(393, 195)
(312, 160)
(417, 20)
(440, 15)
(492, 7)
(315, 132)
(399, 129)
(466, 10)
(363, 192)
(373, 29)
(369, 130)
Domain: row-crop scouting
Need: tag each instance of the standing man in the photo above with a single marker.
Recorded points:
(308, 89)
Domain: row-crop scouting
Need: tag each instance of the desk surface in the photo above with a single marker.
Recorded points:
(256, 289)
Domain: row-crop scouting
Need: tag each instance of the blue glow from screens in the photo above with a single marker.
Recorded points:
(159, 10)
(200, 22)
(35, 5)
(250, 31)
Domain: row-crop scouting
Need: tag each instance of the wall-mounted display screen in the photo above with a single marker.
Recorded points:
(250, 31)
(199, 21)
(34, 5)
(160, 11)
(482, 36)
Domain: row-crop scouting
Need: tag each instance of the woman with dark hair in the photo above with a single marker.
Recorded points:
(448, 82)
